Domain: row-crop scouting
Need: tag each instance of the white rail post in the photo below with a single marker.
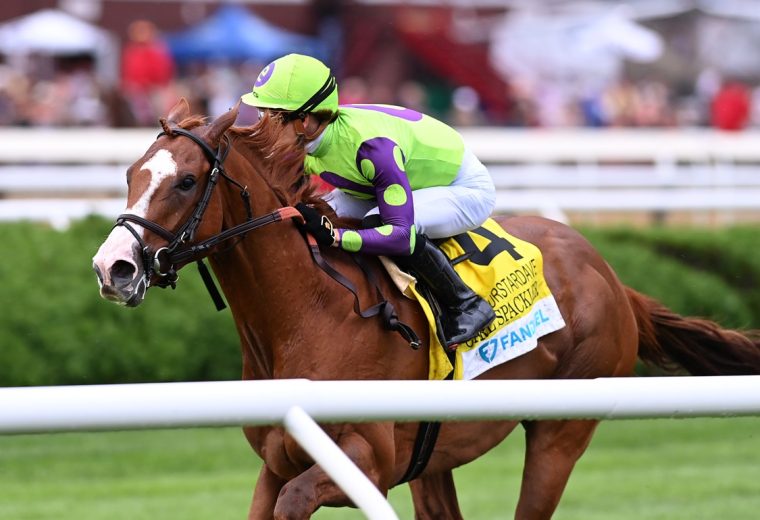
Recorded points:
(337, 464)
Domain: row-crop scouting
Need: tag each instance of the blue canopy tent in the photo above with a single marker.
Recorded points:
(234, 33)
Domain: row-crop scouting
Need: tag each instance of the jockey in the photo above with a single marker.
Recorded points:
(408, 175)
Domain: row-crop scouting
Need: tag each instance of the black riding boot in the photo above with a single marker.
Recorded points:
(464, 312)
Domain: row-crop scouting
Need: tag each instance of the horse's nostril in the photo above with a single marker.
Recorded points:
(98, 273)
(122, 272)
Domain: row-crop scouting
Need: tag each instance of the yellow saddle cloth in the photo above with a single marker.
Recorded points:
(508, 273)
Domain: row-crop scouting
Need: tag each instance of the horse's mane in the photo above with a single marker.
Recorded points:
(280, 165)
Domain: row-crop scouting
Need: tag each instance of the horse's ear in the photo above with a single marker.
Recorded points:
(215, 130)
(179, 112)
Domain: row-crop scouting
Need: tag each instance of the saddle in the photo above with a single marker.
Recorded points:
(508, 273)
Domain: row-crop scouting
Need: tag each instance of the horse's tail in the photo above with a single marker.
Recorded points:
(702, 347)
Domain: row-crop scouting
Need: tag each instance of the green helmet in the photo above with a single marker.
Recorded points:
(294, 83)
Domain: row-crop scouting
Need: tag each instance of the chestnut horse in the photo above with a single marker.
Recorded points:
(295, 321)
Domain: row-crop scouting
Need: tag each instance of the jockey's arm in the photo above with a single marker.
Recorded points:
(382, 164)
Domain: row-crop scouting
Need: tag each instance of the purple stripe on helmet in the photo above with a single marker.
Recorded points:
(264, 75)
(400, 112)
(342, 183)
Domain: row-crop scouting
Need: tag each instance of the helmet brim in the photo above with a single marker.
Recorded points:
(254, 101)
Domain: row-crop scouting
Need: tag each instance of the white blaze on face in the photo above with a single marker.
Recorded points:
(120, 243)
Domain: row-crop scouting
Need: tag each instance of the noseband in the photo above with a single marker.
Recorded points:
(179, 250)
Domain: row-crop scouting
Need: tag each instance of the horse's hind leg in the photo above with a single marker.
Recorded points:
(435, 497)
(552, 449)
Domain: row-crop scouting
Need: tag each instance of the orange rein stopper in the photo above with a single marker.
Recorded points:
(290, 212)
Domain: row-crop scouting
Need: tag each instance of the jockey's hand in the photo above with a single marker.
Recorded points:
(318, 225)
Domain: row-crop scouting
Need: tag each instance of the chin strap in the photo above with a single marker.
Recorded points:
(313, 102)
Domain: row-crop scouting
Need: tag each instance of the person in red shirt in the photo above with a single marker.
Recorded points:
(731, 106)
(147, 70)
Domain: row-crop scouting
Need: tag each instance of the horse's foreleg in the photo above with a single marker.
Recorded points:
(552, 449)
(435, 496)
(265, 494)
(313, 488)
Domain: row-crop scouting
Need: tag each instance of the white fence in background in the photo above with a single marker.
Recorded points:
(56, 175)
(296, 404)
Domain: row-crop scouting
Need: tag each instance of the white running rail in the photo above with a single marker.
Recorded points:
(294, 403)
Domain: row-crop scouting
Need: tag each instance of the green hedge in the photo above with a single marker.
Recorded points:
(712, 274)
(55, 329)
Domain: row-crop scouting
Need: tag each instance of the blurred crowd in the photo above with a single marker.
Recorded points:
(725, 103)
(68, 93)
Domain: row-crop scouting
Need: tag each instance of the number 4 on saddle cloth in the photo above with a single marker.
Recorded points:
(508, 273)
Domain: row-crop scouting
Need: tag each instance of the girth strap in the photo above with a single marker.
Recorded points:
(424, 443)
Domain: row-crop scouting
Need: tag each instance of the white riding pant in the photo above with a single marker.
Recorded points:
(439, 211)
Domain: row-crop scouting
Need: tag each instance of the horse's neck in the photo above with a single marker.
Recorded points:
(294, 321)
(268, 277)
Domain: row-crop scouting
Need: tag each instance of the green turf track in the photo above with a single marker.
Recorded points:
(656, 469)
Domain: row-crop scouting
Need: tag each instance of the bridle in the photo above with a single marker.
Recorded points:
(179, 249)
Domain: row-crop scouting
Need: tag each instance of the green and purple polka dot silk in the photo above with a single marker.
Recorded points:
(384, 153)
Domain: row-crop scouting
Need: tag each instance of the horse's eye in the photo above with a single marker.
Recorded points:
(187, 183)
